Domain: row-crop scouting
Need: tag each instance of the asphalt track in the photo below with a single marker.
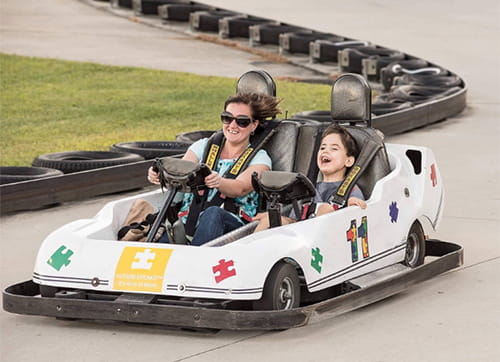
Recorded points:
(454, 317)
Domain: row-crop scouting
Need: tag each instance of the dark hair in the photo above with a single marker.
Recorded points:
(347, 140)
(262, 106)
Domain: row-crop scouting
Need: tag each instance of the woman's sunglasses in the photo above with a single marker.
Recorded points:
(241, 121)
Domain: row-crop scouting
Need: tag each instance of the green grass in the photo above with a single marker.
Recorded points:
(50, 105)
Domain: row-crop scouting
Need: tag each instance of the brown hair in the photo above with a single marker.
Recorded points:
(262, 106)
(347, 140)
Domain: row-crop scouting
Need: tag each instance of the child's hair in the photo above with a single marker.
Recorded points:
(261, 105)
(349, 143)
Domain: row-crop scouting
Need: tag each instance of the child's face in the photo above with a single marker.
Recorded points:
(332, 158)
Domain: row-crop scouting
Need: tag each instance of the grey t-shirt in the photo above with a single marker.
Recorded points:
(324, 190)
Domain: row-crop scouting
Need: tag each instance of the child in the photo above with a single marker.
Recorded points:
(336, 154)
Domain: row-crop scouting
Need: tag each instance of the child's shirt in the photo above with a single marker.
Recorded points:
(324, 190)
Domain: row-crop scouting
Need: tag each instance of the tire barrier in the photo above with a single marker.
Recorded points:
(190, 137)
(298, 42)
(411, 92)
(270, 33)
(180, 12)
(326, 51)
(121, 3)
(74, 161)
(208, 20)
(151, 149)
(354, 60)
(150, 7)
(10, 174)
(238, 26)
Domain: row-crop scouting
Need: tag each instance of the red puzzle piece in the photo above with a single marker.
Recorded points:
(223, 269)
(433, 175)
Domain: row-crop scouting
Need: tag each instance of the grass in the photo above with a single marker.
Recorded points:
(50, 105)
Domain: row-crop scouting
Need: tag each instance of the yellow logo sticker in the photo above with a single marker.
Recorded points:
(212, 155)
(141, 269)
(237, 166)
(343, 188)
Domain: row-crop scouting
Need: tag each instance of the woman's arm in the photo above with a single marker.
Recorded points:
(238, 187)
(154, 177)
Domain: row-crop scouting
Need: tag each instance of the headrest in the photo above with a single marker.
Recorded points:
(256, 81)
(351, 100)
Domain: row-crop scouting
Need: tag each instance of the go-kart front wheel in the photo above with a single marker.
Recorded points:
(415, 246)
(281, 289)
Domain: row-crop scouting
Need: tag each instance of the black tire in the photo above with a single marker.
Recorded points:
(320, 116)
(209, 20)
(351, 60)
(415, 246)
(298, 42)
(238, 27)
(281, 289)
(151, 149)
(388, 73)
(74, 161)
(381, 107)
(11, 174)
(447, 81)
(270, 33)
(420, 94)
(190, 137)
(179, 12)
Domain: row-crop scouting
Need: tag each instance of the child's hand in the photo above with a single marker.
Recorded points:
(354, 201)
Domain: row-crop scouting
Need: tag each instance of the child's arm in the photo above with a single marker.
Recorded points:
(354, 201)
(325, 208)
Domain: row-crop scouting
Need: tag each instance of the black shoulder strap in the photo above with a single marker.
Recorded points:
(369, 150)
(212, 151)
(211, 157)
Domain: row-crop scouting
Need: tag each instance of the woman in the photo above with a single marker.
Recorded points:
(242, 116)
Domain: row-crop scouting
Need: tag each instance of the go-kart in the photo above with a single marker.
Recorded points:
(279, 278)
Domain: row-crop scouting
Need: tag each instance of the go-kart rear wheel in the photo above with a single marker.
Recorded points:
(415, 246)
(281, 289)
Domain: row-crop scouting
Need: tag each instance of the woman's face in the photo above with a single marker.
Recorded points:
(235, 133)
(332, 158)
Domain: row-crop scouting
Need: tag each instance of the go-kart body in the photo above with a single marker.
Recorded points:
(327, 250)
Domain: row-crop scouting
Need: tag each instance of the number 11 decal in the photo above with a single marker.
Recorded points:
(353, 233)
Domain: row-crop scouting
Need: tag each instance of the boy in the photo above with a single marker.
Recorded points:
(336, 154)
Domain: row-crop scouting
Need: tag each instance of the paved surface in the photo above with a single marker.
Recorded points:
(455, 317)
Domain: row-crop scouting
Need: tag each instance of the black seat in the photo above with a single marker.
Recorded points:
(351, 103)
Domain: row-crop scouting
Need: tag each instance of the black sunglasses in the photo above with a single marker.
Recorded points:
(241, 121)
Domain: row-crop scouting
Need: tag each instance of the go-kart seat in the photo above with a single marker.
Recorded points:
(351, 103)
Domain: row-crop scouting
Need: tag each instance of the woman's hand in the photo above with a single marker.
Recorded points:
(213, 180)
(153, 177)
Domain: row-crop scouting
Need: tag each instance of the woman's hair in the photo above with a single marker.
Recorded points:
(347, 140)
(262, 106)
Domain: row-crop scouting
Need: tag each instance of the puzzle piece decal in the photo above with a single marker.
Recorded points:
(141, 269)
(433, 175)
(60, 258)
(363, 234)
(221, 271)
(394, 212)
(142, 259)
(352, 238)
(317, 259)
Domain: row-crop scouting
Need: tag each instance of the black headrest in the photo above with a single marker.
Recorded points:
(351, 100)
(256, 81)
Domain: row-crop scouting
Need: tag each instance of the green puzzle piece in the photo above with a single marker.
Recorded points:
(317, 259)
(60, 258)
